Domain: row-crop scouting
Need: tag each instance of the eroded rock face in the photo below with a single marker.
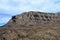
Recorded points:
(32, 26)
(32, 18)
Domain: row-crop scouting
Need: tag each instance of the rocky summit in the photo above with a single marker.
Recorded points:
(32, 25)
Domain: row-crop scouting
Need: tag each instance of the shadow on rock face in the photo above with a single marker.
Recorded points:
(14, 18)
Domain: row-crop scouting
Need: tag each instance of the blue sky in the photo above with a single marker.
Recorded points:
(8, 8)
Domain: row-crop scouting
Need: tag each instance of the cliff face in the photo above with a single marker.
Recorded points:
(32, 18)
(32, 26)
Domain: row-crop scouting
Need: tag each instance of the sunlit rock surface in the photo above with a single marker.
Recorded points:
(32, 26)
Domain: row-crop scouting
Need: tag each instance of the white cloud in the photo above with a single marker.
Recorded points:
(4, 20)
(25, 5)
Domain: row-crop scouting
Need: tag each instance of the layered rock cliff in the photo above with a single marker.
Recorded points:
(32, 26)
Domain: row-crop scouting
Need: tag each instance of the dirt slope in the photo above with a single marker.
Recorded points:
(32, 26)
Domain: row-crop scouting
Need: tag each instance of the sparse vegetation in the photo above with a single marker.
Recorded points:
(32, 26)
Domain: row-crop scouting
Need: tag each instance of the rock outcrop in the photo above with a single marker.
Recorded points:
(32, 26)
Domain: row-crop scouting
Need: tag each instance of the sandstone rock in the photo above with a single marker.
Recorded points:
(32, 26)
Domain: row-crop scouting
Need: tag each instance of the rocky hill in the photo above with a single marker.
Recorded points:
(32, 26)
